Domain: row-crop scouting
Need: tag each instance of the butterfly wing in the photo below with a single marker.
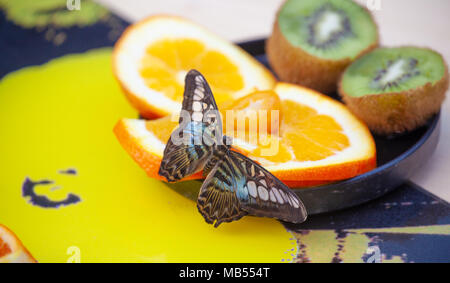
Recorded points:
(180, 161)
(218, 200)
(190, 145)
(199, 102)
(263, 194)
(237, 186)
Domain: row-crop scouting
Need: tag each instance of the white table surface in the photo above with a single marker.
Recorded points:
(401, 22)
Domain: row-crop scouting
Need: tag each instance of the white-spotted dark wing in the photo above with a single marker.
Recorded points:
(237, 186)
(199, 102)
(190, 145)
(262, 194)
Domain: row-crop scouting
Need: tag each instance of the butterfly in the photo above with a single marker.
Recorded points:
(235, 185)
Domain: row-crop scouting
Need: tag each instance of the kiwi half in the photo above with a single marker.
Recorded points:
(313, 41)
(394, 90)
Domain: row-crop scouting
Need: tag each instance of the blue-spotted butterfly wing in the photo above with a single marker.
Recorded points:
(237, 186)
(217, 199)
(198, 125)
(263, 194)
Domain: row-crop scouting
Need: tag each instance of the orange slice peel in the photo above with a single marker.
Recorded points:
(318, 139)
(12, 249)
(151, 58)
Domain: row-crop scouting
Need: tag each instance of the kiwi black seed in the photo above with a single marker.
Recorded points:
(394, 90)
(313, 41)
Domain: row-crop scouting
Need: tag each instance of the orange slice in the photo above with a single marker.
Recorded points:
(12, 249)
(153, 56)
(318, 139)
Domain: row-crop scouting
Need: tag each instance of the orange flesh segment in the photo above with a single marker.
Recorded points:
(311, 136)
(249, 108)
(304, 134)
(283, 154)
(254, 102)
(162, 128)
(4, 248)
(168, 60)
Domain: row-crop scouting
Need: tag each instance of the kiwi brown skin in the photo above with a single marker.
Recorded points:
(398, 112)
(292, 64)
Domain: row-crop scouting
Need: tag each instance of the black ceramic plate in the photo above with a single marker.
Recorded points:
(398, 158)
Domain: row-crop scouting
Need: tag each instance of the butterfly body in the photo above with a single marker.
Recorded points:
(235, 185)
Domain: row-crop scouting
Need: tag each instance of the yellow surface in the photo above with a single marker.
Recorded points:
(60, 116)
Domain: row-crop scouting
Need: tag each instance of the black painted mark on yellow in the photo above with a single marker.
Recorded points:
(42, 200)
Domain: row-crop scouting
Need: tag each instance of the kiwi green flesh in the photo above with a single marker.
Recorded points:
(388, 70)
(328, 29)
